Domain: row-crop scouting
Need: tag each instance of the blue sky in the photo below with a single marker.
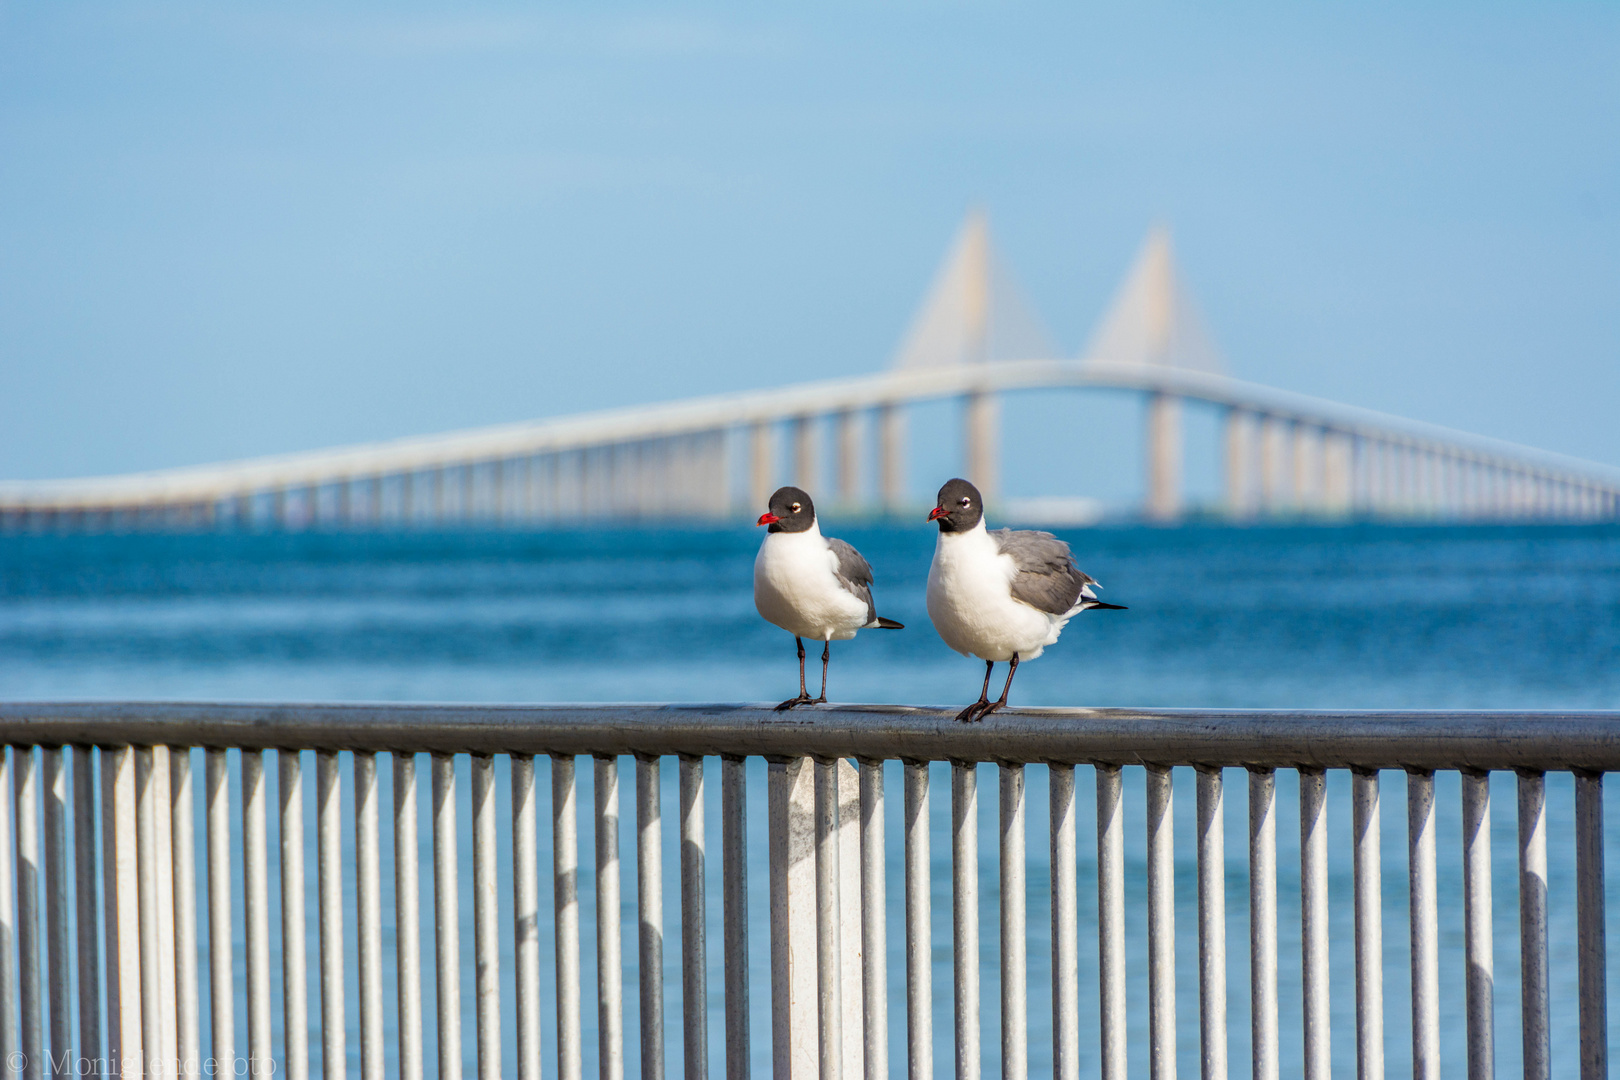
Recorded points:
(243, 229)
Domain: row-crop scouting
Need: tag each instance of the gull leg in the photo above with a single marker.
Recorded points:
(1001, 701)
(804, 694)
(976, 710)
(826, 651)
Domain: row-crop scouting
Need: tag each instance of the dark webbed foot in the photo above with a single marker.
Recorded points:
(973, 713)
(802, 699)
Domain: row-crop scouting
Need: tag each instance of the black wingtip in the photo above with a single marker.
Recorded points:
(889, 624)
(1106, 607)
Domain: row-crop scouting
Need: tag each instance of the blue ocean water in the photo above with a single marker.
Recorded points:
(1343, 617)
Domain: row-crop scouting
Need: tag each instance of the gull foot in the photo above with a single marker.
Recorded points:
(802, 699)
(973, 713)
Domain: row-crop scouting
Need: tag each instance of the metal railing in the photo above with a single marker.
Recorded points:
(138, 883)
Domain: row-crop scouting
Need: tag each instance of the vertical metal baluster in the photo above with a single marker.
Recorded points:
(1014, 928)
(526, 916)
(1313, 914)
(28, 945)
(329, 870)
(1481, 978)
(1111, 921)
(1533, 923)
(919, 929)
(1425, 926)
(59, 961)
(221, 978)
(89, 945)
(256, 895)
(965, 914)
(609, 954)
(168, 1053)
(9, 1038)
(447, 920)
(1369, 929)
(650, 914)
(1065, 930)
(486, 919)
(408, 917)
(874, 931)
(734, 899)
(565, 873)
(1589, 914)
(121, 892)
(368, 913)
(829, 944)
(182, 813)
(1263, 922)
(1161, 923)
(146, 863)
(1211, 925)
(694, 972)
(294, 976)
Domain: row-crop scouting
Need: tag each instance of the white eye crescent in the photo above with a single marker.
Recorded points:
(965, 500)
(794, 508)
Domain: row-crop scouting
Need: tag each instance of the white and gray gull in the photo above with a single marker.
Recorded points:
(810, 585)
(1000, 595)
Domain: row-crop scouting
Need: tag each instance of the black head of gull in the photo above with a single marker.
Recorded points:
(791, 511)
(958, 508)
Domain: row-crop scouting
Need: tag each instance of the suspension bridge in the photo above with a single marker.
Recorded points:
(974, 338)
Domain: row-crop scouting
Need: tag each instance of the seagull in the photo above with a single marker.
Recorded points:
(811, 585)
(1000, 595)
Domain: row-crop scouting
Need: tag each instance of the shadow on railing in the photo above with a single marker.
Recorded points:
(827, 882)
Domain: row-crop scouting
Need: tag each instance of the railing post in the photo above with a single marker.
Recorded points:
(1111, 921)
(1533, 924)
(794, 1043)
(1424, 926)
(408, 918)
(294, 988)
(829, 932)
(1263, 922)
(329, 872)
(1065, 943)
(221, 981)
(734, 887)
(1313, 905)
(486, 927)
(1476, 808)
(58, 910)
(919, 928)
(1590, 912)
(256, 903)
(368, 913)
(965, 914)
(650, 913)
(565, 884)
(694, 946)
(874, 915)
(1211, 924)
(1369, 928)
(609, 955)
(84, 856)
(1014, 928)
(1161, 923)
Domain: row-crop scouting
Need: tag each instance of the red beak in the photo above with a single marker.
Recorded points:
(937, 512)
(767, 518)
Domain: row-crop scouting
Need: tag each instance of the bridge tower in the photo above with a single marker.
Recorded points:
(973, 314)
(1152, 322)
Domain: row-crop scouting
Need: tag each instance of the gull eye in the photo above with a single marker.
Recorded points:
(965, 501)
(794, 507)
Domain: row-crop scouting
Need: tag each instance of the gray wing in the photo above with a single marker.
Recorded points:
(854, 573)
(1047, 577)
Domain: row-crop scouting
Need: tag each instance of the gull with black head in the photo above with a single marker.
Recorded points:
(1003, 595)
(810, 585)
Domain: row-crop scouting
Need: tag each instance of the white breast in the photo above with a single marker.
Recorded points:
(971, 604)
(795, 587)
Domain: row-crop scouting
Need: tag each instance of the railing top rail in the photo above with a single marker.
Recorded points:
(1482, 740)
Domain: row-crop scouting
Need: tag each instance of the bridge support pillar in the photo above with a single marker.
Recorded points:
(980, 416)
(1239, 463)
(805, 454)
(759, 466)
(1337, 461)
(1163, 457)
(892, 456)
(849, 457)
